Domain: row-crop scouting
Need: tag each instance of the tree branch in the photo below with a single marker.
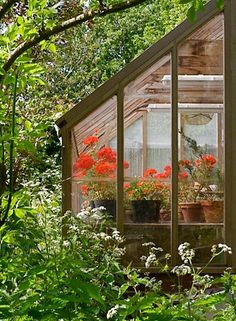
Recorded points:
(47, 33)
(5, 7)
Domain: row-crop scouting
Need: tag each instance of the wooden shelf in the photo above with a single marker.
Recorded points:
(168, 224)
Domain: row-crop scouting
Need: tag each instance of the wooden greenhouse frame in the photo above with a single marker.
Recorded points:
(115, 87)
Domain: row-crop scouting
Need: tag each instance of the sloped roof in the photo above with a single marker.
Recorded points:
(139, 65)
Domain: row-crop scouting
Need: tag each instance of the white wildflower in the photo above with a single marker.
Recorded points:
(225, 248)
(112, 311)
(148, 244)
(150, 259)
(156, 249)
(66, 243)
(143, 258)
(185, 252)
(118, 252)
(181, 270)
(73, 227)
(100, 208)
(116, 235)
(105, 236)
(213, 249)
(167, 256)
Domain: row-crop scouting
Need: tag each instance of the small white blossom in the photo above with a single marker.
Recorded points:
(143, 258)
(100, 208)
(105, 236)
(116, 235)
(167, 256)
(181, 270)
(213, 249)
(112, 311)
(150, 259)
(118, 252)
(156, 249)
(185, 252)
(225, 248)
(148, 244)
(66, 243)
(73, 227)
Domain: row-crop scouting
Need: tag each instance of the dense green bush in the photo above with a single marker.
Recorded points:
(45, 276)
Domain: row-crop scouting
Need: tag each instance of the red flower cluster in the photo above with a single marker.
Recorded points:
(90, 140)
(105, 168)
(106, 154)
(182, 175)
(84, 189)
(96, 163)
(185, 163)
(207, 160)
(85, 162)
(150, 172)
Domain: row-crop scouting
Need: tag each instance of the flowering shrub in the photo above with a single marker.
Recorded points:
(97, 167)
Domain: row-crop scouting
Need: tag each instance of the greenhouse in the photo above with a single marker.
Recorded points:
(155, 146)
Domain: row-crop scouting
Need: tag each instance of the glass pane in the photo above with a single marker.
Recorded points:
(201, 128)
(94, 160)
(134, 147)
(158, 139)
(148, 149)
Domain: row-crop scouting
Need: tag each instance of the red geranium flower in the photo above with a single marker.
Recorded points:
(182, 175)
(126, 164)
(162, 175)
(105, 168)
(167, 170)
(185, 163)
(90, 140)
(209, 159)
(106, 153)
(127, 185)
(85, 161)
(150, 172)
(84, 189)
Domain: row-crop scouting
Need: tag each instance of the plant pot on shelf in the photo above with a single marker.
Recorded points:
(146, 211)
(192, 212)
(165, 215)
(213, 211)
(109, 205)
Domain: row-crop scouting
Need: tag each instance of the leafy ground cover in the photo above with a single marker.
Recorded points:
(80, 276)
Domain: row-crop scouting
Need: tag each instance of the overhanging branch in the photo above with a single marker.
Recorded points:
(75, 21)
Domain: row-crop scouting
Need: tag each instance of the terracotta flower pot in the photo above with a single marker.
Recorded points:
(213, 211)
(165, 215)
(192, 212)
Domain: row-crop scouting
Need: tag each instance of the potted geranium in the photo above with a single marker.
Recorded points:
(204, 184)
(189, 191)
(146, 196)
(197, 191)
(96, 168)
(211, 195)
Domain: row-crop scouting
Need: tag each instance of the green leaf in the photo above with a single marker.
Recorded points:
(9, 238)
(86, 287)
(52, 48)
(123, 289)
(220, 4)
(19, 212)
(28, 125)
(191, 14)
